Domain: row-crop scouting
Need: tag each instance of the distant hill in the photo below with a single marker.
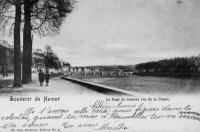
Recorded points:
(174, 65)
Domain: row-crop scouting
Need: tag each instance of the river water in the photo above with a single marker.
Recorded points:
(152, 85)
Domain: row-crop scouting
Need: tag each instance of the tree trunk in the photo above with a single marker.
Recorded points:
(17, 51)
(27, 43)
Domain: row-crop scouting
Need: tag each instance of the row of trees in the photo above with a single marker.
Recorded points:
(175, 65)
(43, 17)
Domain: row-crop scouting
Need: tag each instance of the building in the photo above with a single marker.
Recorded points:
(38, 60)
(6, 57)
(65, 66)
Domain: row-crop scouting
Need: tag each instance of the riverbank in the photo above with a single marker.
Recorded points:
(177, 75)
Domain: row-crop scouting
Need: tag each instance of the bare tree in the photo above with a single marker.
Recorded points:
(44, 17)
(5, 18)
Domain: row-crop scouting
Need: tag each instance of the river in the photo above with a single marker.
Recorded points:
(152, 85)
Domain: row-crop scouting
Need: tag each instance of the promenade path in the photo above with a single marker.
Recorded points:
(56, 86)
(6, 81)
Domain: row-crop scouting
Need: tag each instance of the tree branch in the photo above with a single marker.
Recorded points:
(38, 26)
(11, 29)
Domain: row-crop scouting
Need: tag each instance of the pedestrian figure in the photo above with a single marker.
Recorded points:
(47, 78)
(41, 77)
(3, 71)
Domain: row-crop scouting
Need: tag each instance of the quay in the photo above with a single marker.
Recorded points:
(98, 87)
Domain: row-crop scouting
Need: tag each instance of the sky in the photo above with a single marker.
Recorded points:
(125, 32)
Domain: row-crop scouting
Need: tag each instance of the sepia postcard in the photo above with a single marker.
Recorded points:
(99, 65)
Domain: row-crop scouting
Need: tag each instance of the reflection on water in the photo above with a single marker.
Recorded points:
(147, 84)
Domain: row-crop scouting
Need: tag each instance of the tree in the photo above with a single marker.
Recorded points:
(174, 65)
(48, 49)
(5, 16)
(27, 42)
(38, 58)
(51, 59)
(17, 45)
(44, 17)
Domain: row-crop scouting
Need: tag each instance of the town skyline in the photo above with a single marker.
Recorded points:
(126, 32)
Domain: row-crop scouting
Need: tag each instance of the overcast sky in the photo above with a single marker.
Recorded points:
(105, 32)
